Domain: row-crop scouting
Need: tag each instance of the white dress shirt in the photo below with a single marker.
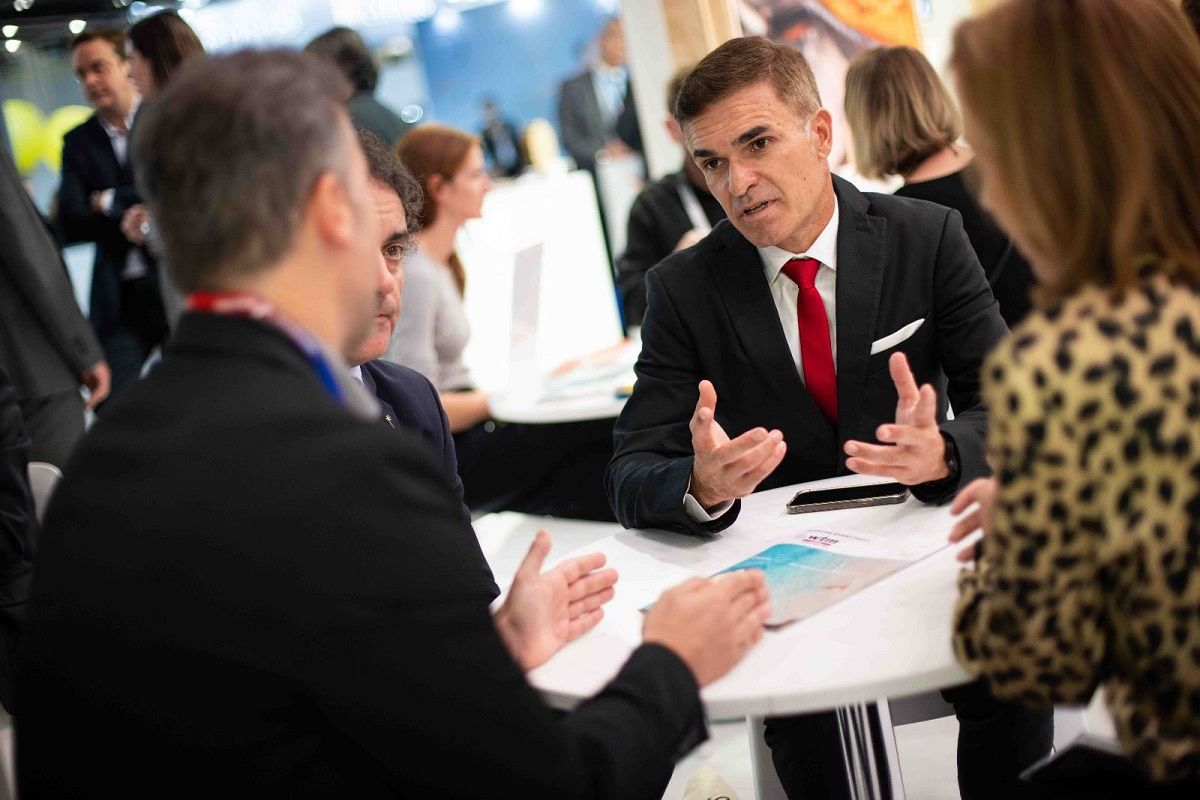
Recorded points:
(135, 265)
(785, 292)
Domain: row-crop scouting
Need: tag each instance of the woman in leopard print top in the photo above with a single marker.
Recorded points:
(1086, 120)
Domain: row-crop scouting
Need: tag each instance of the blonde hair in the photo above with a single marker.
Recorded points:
(899, 111)
(1088, 114)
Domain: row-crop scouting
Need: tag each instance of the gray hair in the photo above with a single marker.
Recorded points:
(228, 155)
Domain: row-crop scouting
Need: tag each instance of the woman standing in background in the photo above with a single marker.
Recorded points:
(157, 46)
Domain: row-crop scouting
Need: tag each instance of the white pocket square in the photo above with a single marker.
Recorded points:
(893, 339)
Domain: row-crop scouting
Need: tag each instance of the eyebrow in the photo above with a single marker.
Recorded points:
(398, 236)
(745, 138)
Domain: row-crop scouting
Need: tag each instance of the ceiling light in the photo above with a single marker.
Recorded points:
(9, 31)
(76, 25)
(12, 45)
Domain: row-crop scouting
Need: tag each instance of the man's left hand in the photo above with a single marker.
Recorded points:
(913, 451)
(545, 610)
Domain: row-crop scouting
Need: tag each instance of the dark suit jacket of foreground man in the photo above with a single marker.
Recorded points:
(273, 599)
(710, 315)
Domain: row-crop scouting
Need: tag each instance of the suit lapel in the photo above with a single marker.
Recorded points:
(103, 146)
(748, 301)
(386, 412)
(860, 249)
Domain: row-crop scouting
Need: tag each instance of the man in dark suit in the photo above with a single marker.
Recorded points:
(835, 327)
(46, 345)
(669, 215)
(595, 108)
(241, 582)
(406, 398)
(97, 189)
(347, 51)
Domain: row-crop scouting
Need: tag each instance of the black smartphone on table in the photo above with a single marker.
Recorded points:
(875, 494)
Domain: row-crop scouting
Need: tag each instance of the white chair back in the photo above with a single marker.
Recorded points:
(43, 478)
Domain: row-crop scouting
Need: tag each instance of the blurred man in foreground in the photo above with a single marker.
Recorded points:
(290, 603)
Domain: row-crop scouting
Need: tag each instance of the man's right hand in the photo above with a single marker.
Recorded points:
(727, 469)
(710, 623)
(98, 380)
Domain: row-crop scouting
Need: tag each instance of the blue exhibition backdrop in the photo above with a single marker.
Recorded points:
(515, 52)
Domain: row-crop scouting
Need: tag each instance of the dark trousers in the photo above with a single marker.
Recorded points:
(142, 327)
(996, 741)
(54, 425)
(556, 469)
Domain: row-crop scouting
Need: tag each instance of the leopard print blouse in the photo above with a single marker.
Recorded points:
(1091, 573)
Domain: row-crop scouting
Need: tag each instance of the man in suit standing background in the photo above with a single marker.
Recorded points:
(97, 189)
(595, 109)
(46, 345)
(825, 319)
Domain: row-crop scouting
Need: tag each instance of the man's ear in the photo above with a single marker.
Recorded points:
(820, 132)
(330, 211)
(673, 130)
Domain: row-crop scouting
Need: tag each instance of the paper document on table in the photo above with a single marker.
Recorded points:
(822, 567)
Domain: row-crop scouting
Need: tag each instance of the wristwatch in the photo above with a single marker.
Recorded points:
(951, 456)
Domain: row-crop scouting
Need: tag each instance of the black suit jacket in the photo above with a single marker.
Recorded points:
(45, 341)
(90, 165)
(710, 315)
(18, 532)
(241, 585)
(657, 221)
(411, 402)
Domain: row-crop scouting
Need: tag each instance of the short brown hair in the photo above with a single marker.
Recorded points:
(387, 168)
(114, 36)
(899, 111)
(228, 155)
(165, 41)
(1088, 112)
(743, 62)
(350, 54)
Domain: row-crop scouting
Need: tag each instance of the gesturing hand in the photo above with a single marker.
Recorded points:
(710, 623)
(914, 451)
(982, 492)
(726, 469)
(545, 610)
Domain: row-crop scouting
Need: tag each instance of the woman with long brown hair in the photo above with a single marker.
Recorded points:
(550, 469)
(1084, 116)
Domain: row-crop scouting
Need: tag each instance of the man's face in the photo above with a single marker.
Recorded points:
(104, 76)
(393, 239)
(612, 44)
(766, 165)
(360, 280)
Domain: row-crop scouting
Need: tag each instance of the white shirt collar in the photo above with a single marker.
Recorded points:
(823, 249)
(357, 373)
(113, 130)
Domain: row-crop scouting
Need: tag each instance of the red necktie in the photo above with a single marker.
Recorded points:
(816, 351)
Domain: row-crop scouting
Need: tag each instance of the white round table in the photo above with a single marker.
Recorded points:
(890, 639)
(508, 408)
